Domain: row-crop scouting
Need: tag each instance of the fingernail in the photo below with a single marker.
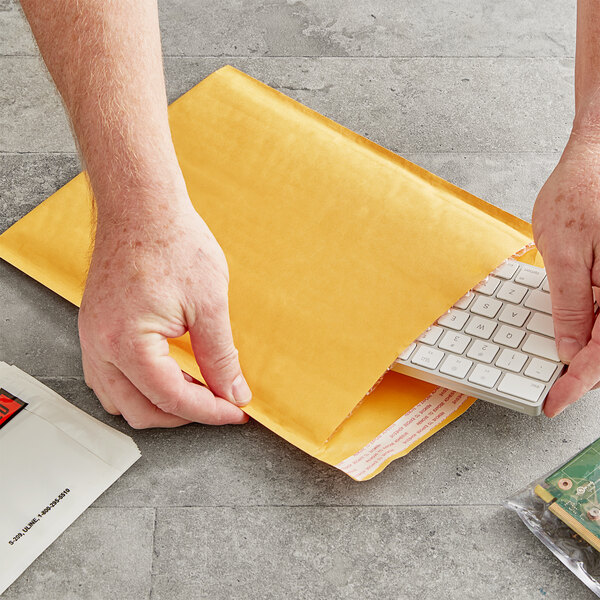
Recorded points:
(567, 349)
(241, 392)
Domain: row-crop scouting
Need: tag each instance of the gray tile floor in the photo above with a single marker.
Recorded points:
(480, 93)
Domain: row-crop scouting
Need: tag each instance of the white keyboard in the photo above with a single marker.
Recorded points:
(496, 343)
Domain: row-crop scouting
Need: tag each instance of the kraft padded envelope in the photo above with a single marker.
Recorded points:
(340, 254)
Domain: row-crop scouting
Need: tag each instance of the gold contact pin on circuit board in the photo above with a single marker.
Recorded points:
(575, 525)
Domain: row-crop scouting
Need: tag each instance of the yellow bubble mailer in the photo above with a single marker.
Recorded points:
(340, 254)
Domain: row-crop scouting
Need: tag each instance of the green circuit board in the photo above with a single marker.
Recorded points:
(572, 492)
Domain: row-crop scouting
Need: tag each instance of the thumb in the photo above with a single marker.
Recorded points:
(217, 356)
(572, 304)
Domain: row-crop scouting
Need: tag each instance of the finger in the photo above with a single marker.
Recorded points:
(136, 409)
(158, 377)
(572, 303)
(93, 382)
(217, 356)
(582, 375)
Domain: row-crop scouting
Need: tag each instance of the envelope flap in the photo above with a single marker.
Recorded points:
(340, 252)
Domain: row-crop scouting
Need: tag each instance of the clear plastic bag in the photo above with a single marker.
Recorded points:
(573, 551)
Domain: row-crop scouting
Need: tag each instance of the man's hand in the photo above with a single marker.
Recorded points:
(156, 270)
(566, 225)
(154, 277)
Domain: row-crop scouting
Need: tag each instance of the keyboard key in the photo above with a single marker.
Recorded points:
(456, 366)
(484, 376)
(514, 315)
(465, 300)
(539, 300)
(530, 276)
(455, 342)
(540, 369)
(431, 335)
(427, 357)
(521, 387)
(540, 346)
(486, 307)
(511, 360)
(483, 351)
(406, 354)
(487, 286)
(454, 319)
(541, 323)
(507, 269)
(511, 292)
(480, 327)
(546, 285)
(509, 336)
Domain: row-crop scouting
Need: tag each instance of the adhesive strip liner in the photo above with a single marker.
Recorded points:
(408, 429)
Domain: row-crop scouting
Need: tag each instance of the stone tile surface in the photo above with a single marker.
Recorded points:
(479, 93)
(32, 117)
(339, 28)
(106, 553)
(15, 35)
(38, 328)
(481, 458)
(353, 553)
(408, 105)
(371, 28)
(28, 179)
(420, 104)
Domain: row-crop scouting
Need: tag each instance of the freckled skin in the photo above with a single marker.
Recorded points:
(148, 288)
(566, 220)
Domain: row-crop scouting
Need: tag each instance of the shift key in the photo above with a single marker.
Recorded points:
(541, 346)
(521, 387)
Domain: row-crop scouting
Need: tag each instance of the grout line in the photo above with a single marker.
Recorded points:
(59, 377)
(343, 56)
(151, 588)
(370, 56)
(401, 152)
(48, 153)
(298, 506)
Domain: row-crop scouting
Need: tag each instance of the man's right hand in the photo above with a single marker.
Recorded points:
(566, 225)
(154, 276)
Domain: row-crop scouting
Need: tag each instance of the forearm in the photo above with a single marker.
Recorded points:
(105, 58)
(587, 69)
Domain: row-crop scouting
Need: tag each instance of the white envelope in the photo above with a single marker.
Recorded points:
(56, 460)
